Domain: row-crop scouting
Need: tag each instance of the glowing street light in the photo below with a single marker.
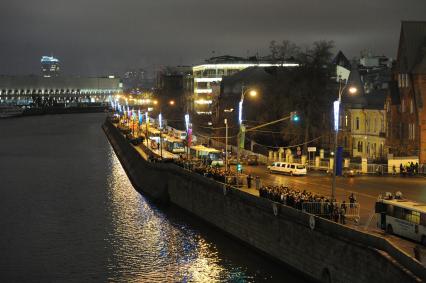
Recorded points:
(336, 112)
(252, 93)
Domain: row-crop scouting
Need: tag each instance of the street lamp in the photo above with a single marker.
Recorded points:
(252, 93)
(187, 137)
(336, 110)
(160, 124)
(146, 123)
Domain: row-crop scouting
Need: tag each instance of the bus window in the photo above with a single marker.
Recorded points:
(412, 216)
(380, 207)
(398, 212)
(423, 219)
(389, 210)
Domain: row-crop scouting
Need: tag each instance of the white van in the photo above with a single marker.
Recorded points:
(287, 168)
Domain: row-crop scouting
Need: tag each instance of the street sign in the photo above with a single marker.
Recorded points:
(312, 149)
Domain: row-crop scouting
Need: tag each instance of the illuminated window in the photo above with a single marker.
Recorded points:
(360, 146)
(411, 106)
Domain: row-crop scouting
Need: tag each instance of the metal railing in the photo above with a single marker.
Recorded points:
(324, 164)
(329, 210)
(379, 169)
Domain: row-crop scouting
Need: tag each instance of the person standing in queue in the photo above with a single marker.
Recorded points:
(257, 182)
(249, 181)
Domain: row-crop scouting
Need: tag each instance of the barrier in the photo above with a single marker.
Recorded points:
(326, 209)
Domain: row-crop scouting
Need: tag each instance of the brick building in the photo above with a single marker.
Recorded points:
(406, 116)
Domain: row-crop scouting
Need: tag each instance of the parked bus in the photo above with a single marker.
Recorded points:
(153, 134)
(210, 155)
(173, 144)
(179, 134)
(402, 217)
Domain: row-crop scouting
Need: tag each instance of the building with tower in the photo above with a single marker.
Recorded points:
(50, 66)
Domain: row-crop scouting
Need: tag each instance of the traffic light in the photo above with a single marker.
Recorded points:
(294, 116)
(239, 167)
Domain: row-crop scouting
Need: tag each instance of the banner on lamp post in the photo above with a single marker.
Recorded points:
(140, 116)
(189, 137)
(336, 110)
(242, 136)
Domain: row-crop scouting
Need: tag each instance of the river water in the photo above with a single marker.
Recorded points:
(68, 213)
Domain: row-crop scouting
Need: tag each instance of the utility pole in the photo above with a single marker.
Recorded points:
(226, 145)
(146, 123)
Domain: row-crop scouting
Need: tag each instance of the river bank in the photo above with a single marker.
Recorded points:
(320, 249)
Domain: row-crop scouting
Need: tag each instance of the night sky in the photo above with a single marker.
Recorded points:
(98, 37)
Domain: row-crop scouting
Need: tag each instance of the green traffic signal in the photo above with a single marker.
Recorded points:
(294, 116)
(239, 168)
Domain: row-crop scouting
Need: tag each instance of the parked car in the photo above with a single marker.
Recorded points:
(348, 172)
(288, 168)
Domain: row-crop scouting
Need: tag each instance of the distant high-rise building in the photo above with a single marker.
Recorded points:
(49, 66)
(207, 78)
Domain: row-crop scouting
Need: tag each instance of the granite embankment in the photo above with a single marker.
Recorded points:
(320, 249)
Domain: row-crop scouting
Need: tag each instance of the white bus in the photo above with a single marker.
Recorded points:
(153, 134)
(287, 168)
(211, 155)
(173, 144)
(402, 217)
(179, 134)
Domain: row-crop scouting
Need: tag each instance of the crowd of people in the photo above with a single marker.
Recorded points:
(323, 206)
(217, 173)
(410, 169)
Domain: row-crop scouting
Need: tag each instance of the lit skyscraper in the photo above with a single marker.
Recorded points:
(49, 66)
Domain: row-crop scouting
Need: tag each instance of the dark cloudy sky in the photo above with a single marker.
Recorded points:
(108, 36)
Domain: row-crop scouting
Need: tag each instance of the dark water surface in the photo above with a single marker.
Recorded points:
(69, 213)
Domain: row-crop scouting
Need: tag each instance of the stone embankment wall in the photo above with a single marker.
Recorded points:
(325, 251)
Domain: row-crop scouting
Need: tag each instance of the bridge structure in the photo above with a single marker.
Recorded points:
(25, 90)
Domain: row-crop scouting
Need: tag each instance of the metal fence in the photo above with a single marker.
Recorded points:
(327, 210)
(379, 169)
(324, 163)
(244, 152)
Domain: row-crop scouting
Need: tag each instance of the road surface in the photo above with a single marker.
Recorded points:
(365, 188)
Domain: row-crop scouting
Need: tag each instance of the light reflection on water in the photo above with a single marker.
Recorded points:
(150, 247)
(68, 213)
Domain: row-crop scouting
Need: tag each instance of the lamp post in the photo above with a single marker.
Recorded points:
(226, 145)
(253, 93)
(160, 124)
(187, 137)
(336, 108)
(146, 123)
